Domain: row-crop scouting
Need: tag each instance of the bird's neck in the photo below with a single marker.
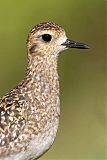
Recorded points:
(42, 70)
(42, 82)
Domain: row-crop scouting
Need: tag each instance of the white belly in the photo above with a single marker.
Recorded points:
(37, 146)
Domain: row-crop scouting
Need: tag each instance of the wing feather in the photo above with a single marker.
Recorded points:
(12, 117)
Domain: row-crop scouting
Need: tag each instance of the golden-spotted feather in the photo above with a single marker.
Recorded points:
(12, 117)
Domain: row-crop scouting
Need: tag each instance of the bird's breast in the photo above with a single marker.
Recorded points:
(37, 146)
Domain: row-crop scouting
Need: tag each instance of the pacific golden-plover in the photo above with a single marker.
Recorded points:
(29, 114)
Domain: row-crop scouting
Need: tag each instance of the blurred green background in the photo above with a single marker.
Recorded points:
(81, 134)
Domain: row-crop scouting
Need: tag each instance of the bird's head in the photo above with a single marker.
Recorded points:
(48, 39)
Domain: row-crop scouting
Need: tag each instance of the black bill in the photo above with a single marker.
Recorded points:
(73, 44)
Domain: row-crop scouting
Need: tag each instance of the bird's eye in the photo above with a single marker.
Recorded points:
(46, 37)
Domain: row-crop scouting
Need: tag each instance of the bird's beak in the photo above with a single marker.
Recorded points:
(73, 44)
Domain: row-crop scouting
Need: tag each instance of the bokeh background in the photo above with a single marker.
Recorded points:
(81, 134)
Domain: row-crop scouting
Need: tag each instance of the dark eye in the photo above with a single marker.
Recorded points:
(46, 37)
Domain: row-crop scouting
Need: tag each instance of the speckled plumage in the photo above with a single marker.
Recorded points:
(29, 114)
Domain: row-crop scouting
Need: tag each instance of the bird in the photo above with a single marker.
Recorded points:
(29, 113)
